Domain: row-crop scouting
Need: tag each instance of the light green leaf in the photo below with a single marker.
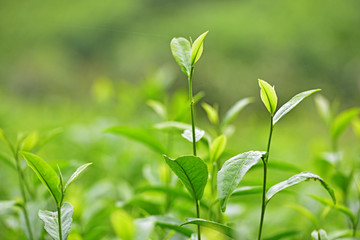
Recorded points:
(181, 50)
(170, 223)
(139, 135)
(144, 228)
(298, 178)
(246, 190)
(356, 126)
(306, 213)
(51, 221)
(284, 235)
(76, 174)
(235, 110)
(213, 225)
(232, 173)
(47, 137)
(123, 224)
(7, 206)
(30, 141)
(217, 147)
(291, 104)
(268, 96)
(342, 121)
(7, 160)
(197, 48)
(323, 107)
(338, 207)
(172, 125)
(192, 171)
(187, 134)
(319, 235)
(158, 108)
(211, 112)
(171, 191)
(45, 173)
(4, 139)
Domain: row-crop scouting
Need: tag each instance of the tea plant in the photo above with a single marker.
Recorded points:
(57, 224)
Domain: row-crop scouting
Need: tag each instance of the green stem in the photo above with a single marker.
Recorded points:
(198, 216)
(59, 222)
(265, 161)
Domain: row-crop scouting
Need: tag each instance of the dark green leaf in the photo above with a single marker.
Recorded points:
(51, 221)
(197, 48)
(76, 174)
(298, 178)
(291, 104)
(140, 135)
(235, 110)
(181, 50)
(233, 171)
(342, 121)
(45, 173)
(192, 171)
(213, 225)
(338, 207)
(268, 96)
(217, 148)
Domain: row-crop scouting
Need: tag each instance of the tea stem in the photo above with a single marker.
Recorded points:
(265, 161)
(191, 98)
(198, 216)
(59, 222)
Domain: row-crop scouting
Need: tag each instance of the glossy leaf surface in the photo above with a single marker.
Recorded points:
(213, 225)
(197, 48)
(233, 171)
(45, 173)
(181, 50)
(268, 96)
(51, 221)
(76, 174)
(296, 179)
(287, 107)
(139, 135)
(192, 171)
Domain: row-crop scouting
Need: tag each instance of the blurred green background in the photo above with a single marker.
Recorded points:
(87, 65)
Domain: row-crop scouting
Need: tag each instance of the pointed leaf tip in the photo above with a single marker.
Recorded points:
(197, 48)
(181, 50)
(268, 96)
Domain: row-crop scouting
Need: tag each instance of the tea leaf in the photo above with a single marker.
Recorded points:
(291, 104)
(356, 126)
(76, 174)
(319, 235)
(192, 172)
(246, 190)
(338, 207)
(51, 221)
(172, 125)
(233, 171)
(323, 107)
(158, 108)
(140, 135)
(342, 121)
(213, 225)
(217, 148)
(45, 173)
(181, 50)
(235, 110)
(197, 48)
(211, 112)
(47, 137)
(6, 159)
(309, 215)
(298, 178)
(144, 227)
(187, 134)
(268, 96)
(284, 234)
(7, 206)
(173, 224)
(123, 224)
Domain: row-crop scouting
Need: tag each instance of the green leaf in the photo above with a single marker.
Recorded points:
(323, 107)
(172, 125)
(173, 224)
(30, 141)
(232, 172)
(356, 126)
(181, 50)
(213, 225)
(7, 160)
(309, 215)
(298, 178)
(45, 173)
(235, 110)
(197, 48)
(342, 121)
(217, 148)
(319, 235)
(246, 190)
(158, 108)
(7, 206)
(76, 174)
(139, 135)
(192, 171)
(144, 228)
(47, 137)
(187, 134)
(284, 234)
(268, 96)
(211, 112)
(291, 104)
(171, 191)
(51, 221)
(123, 224)
(338, 207)
(4, 139)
